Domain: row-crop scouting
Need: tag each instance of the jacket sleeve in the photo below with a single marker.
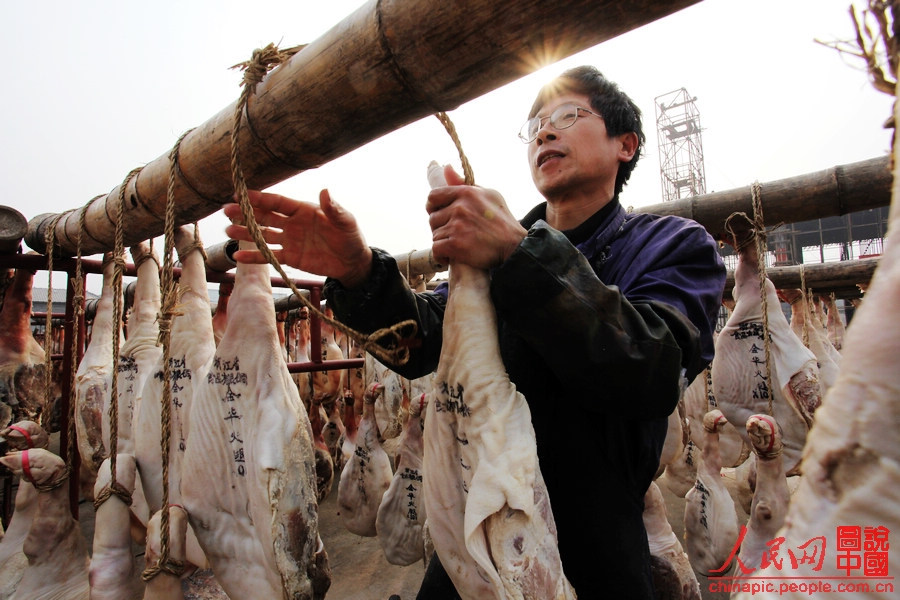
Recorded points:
(384, 300)
(624, 358)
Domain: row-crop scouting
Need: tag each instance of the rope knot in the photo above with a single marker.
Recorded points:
(113, 488)
(262, 61)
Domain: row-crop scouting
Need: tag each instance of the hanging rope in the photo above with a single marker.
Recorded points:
(806, 315)
(50, 241)
(390, 344)
(168, 312)
(119, 260)
(761, 247)
(451, 129)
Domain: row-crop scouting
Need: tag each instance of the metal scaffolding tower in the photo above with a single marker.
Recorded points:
(680, 146)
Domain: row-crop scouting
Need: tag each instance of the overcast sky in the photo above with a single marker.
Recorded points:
(95, 88)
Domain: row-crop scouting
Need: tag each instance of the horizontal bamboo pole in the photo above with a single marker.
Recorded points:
(832, 192)
(840, 278)
(389, 63)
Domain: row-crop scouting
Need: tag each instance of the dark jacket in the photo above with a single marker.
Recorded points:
(596, 336)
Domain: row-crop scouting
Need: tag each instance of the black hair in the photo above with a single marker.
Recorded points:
(619, 112)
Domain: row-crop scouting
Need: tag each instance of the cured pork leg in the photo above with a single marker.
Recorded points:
(55, 547)
(673, 576)
(367, 473)
(739, 367)
(92, 383)
(488, 510)
(165, 585)
(23, 394)
(23, 435)
(851, 462)
(710, 519)
(248, 480)
(771, 497)
(191, 349)
(401, 515)
(113, 573)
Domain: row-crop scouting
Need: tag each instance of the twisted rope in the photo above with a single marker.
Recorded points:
(119, 260)
(389, 344)
(78, 311)
(50, 241)
(806, 315)
(444, 118)
(167, 314)
(760, 237)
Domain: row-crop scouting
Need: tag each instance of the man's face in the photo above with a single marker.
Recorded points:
(581, 159)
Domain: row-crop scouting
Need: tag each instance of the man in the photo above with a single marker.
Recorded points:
(600, 314)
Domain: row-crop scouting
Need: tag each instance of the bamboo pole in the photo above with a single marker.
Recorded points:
(841, 278)
(831, 192)
(384, 66)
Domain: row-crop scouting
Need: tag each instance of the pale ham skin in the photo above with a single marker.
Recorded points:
(92, 383)
(300, 343)
(22, 376)
(401, 515)
(23, 435)
(165, 585)
(324, 461)
(806, 325)
(351, 420)
(698, 400)
(329, 385)
(138, 358)
(55, 547)
(710, 518)
(367, 473)
(489, 514)
(113, 573)
(220, 317)
(771, 497)
(739, 368)
(834, 323)
(333, 431)
(356, 378)
(851, 462)
(681, 473)
(191, 349)
(681, 583)
(387, 408)
(248, 480)
(140, 354)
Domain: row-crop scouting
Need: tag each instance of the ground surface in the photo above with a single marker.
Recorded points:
(359, 569)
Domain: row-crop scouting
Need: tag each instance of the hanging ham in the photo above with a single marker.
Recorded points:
(92, 383)
(166, 585)
(191, 349)
(366, 475)
(401, 516)
(739, 367)
(771, 497)
(55, 547)
(23, 388)
(710, 519)
(113, 573)
(248, 480)
(851, 463)
(23, 435)
(673, 576)
(489, 514)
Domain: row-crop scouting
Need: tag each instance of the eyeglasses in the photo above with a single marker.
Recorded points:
(562, 118)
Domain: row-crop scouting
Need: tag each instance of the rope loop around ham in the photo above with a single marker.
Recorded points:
(390, 344)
